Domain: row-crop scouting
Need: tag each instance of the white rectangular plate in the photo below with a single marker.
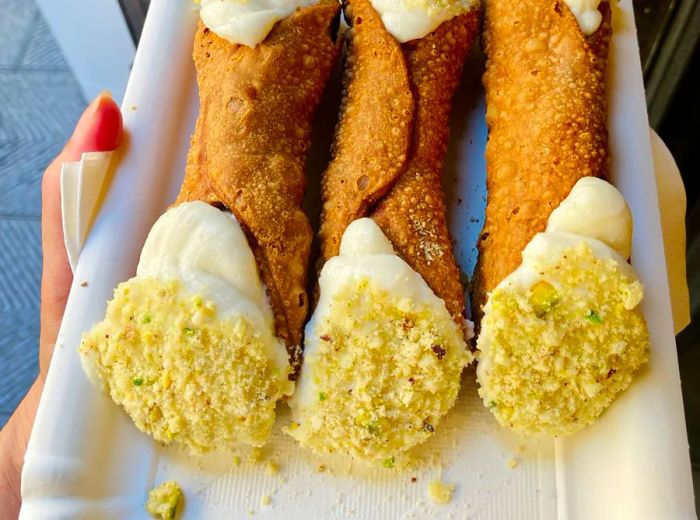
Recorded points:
(86, 459)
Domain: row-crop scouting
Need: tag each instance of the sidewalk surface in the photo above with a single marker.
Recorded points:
(40, 102)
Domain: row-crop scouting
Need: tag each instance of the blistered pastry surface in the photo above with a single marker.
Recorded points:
(412, 215)
(250, 142)
(391, 141)
(546, 114)
(373, 134)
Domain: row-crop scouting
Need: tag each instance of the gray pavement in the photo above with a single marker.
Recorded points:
(40, 102)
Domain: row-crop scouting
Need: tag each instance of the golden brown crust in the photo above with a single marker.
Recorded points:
(373, 134)
(546, 113)
(391, 140)
(412, 215)
(250, 142)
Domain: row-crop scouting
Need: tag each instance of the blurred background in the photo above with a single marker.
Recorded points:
(54, 56)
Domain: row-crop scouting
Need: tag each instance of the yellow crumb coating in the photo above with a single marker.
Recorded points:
(439, 492)
(182, 372)
(163, 500)
(555, 354)
(383, 371)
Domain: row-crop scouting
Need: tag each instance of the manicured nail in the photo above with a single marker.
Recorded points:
(99, 128)
(107, 122)
(103, 97)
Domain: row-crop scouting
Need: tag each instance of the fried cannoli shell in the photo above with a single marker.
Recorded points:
(373, 134)
(250, 142)
(412, 215)
(546, 114)
(391, 140)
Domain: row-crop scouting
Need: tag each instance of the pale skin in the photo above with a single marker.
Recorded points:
(99, 129)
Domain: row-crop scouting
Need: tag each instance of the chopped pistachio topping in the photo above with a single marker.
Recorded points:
(543, 296)
(594, 317)
(163, 500)
(187, 331)
(208, 388)
(382, 381)
(542, 367)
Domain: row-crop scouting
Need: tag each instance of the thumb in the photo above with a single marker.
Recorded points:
(99, 129)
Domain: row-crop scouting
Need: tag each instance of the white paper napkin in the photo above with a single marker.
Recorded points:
(672, 203)
(81, 183)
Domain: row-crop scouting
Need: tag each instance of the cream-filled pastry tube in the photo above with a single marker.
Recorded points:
(378, 378)
(200, 345)
(546, 115)
(392, 134)
(249, 145)
(563, 334)
(561, 331)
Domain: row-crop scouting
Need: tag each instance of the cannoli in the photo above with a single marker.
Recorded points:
(200, 345)
(385, 347)
(250, 142)
(561, 332)
(546, 115)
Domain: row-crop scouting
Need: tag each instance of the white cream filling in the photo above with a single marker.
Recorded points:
(594, 212)
(247, 22)
(411, 19)
(595, 208)
(587, 14)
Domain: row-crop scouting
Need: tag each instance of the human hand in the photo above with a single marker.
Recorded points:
(99, 129)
